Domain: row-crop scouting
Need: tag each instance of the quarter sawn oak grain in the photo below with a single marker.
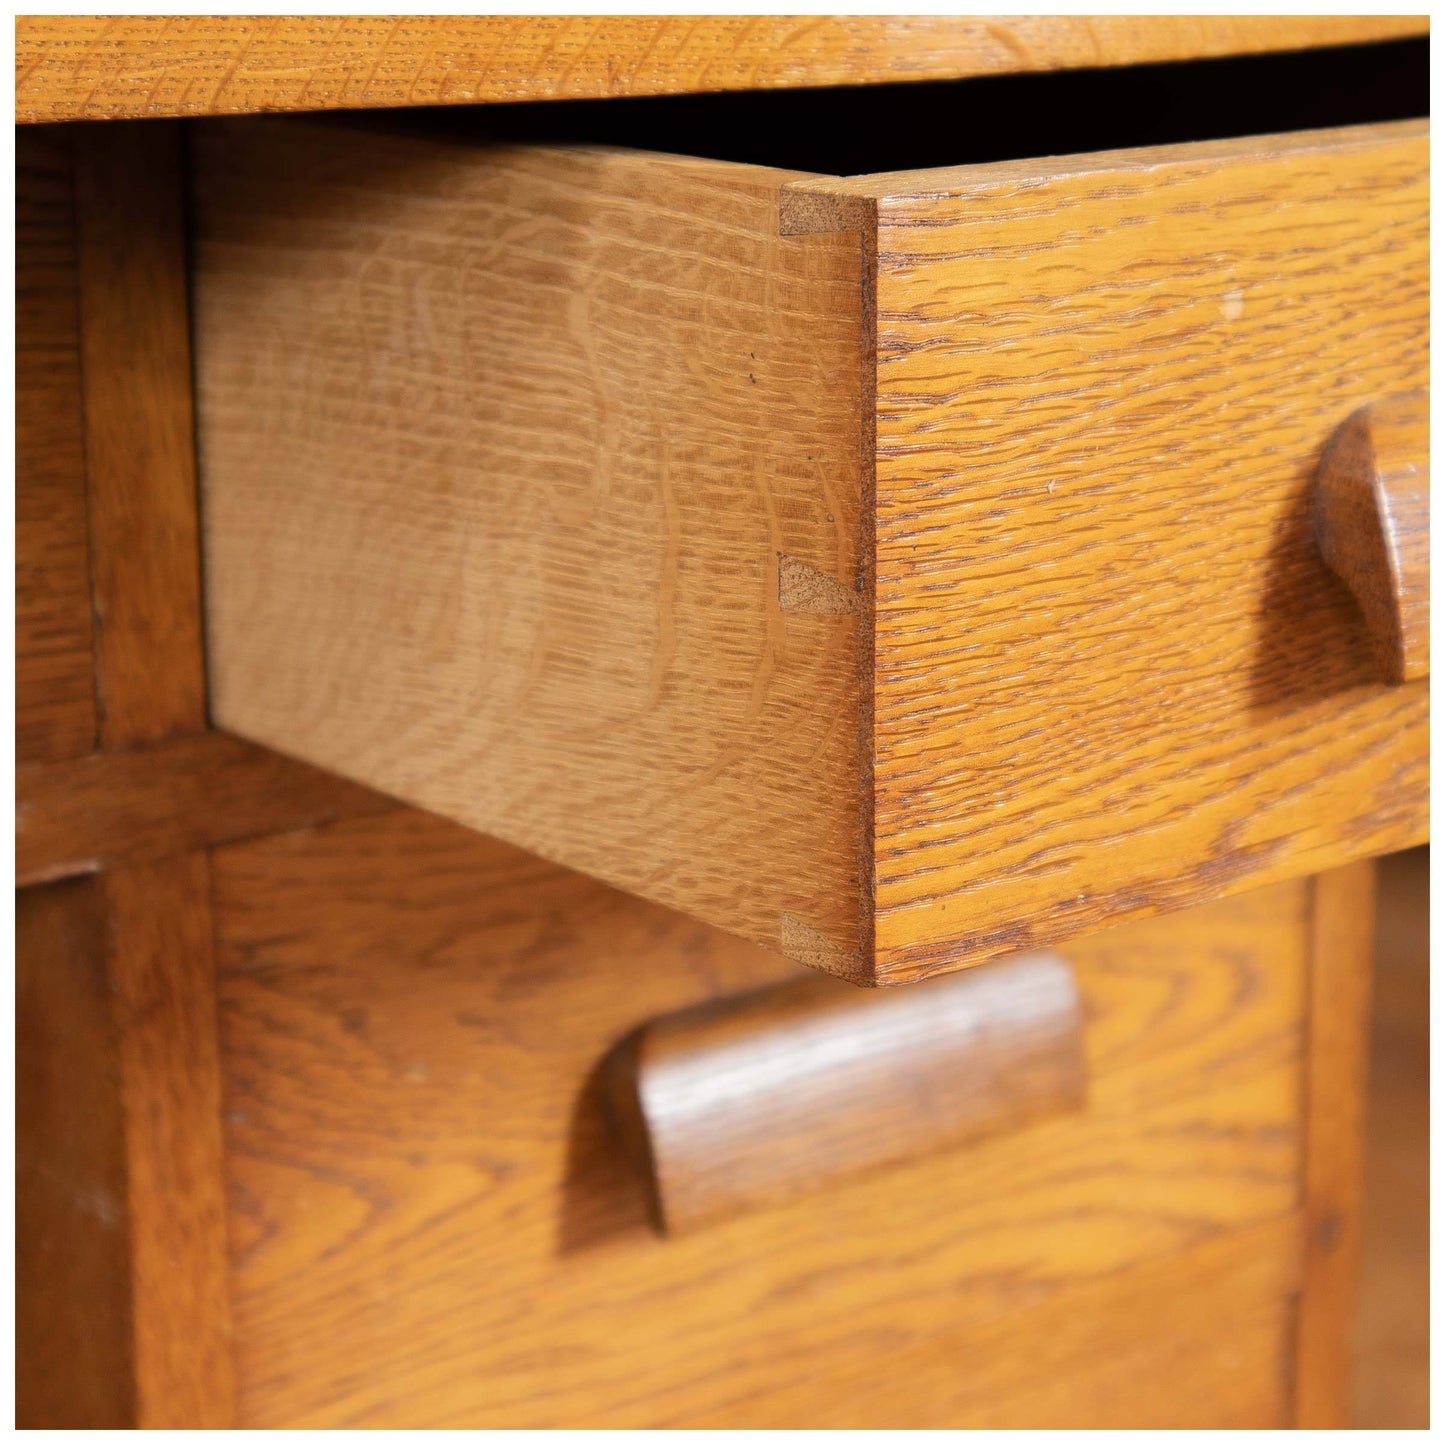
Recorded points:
(542, 490)
(432, 1227)
(1111, 674)
(527, 438)
(426, 1218)
(87, 67)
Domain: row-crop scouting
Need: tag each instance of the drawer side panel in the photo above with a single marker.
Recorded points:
(531, 496)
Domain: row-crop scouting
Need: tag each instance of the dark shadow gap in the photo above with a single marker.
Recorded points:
(853, 130)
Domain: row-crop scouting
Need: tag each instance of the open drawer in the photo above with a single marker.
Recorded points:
(895, 571)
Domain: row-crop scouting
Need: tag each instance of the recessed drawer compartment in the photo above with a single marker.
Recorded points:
(895, 571)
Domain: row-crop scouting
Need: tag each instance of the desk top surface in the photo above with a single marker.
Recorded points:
(96, 67)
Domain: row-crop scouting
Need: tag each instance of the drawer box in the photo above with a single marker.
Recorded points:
(895, 571)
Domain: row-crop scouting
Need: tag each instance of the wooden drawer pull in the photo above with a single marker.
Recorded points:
(1372, 517)
(751, 1099)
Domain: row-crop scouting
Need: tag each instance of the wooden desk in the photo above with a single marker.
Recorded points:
(318, 1116)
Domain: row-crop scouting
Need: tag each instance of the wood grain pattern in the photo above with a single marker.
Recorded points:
(756, 1098)
(160, 968)
(73, 67)
(520, 469)
(431, 1226)
(1111, 674)
(139, 442)
(147, 803)
(531, 434)
(1144, 1349)
(1342, 927)
(1372, 522)
(54, 670)
(73, 1349)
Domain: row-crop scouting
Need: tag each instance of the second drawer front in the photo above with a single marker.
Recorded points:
(432, 1225)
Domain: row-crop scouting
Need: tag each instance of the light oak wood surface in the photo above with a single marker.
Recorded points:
(1372, 522)
(495, 520)
(426, 1215)
(88, 67)
(1141, 1350)
(545, 489)
(772, 1093)
(432, 1226)
(1111, 675)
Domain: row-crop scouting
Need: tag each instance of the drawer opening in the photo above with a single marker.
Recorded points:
(857, 130)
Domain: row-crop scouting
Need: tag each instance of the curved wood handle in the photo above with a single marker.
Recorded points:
(1372, 519)
(752, 1099)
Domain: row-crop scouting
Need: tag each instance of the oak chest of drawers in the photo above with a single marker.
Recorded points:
(494, 603)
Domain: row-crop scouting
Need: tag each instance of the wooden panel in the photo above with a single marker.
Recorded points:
(104, 67)
(147, 803)
(432, 1227)
(73, 1364)
(1197, 1340)
(533, 496)
(499, 468)
(755, 1098)
(139, 441)
(1342, 926)
(54, 673)
(160, 964)
(1111, 673)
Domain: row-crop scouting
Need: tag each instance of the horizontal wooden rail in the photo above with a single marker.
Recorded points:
(87, 813)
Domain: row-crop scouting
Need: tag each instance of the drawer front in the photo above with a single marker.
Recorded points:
(894, 572)
(1111, 671)
(431, 1224)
